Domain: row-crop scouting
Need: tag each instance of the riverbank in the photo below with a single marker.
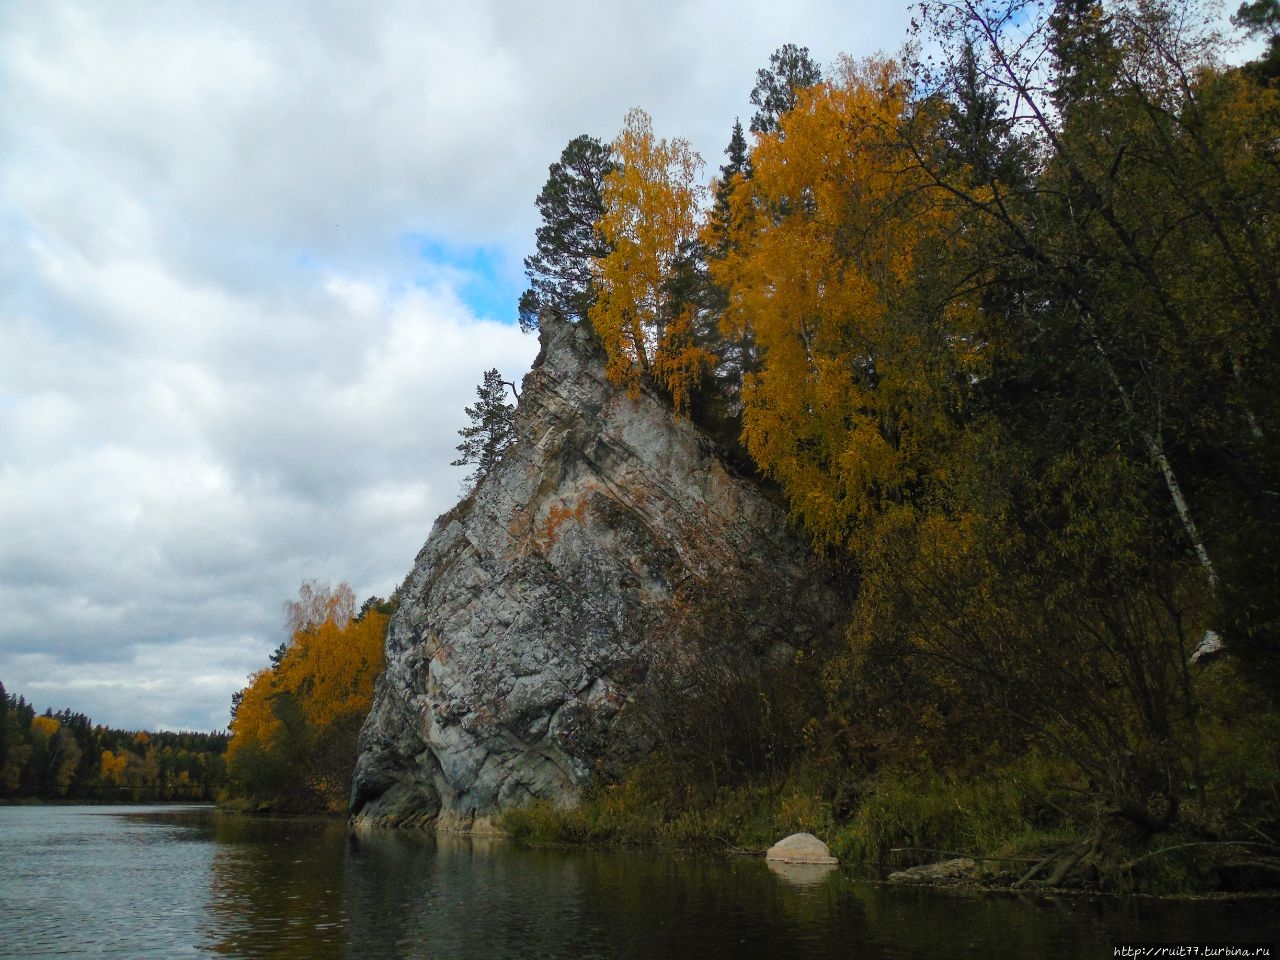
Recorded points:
(1017, 831)
(242, 806)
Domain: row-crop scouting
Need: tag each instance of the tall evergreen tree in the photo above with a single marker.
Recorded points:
(739, 163)
(567, 244)
(790, 69)
(732, 344)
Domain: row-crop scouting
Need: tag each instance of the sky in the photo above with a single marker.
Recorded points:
(254, 259)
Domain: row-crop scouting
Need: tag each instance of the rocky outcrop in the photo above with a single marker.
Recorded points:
(609, 547)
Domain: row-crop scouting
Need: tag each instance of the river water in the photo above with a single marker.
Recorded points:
(143, 882)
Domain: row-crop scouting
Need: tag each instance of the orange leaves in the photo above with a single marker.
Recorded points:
(328, 670)
(44, 727)
(679, 362)
(333, 668)
(836, 238)
(254, 723)
(111, 767)
(652, 202)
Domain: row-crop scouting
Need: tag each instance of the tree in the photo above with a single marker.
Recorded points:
(1091, 485)
(63, 761)
(1144, 252)
(7, 737)
(738, 167)
(317, 603)
(294, 727)
(732, 343)
(1261, 18)
(860, 367)
(491, 433)
(378, 605)
(560, 271)
(790, 70)
(1005, 542)
(643, 313)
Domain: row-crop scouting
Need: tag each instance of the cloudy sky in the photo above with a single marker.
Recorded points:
(254, 258)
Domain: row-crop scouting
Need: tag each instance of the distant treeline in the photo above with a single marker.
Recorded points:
(65, 756)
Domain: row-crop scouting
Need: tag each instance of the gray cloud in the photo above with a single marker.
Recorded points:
(243, 258)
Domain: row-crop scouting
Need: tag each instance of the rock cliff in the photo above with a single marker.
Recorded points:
(609, 546)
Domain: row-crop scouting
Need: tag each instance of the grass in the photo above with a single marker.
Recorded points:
(1012, 814)
(903, 817)
(651, 807)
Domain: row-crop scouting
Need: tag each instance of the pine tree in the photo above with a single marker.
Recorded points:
(492, 430)
(739, 163)
(1260, 19)
(559, 271)
(790, 69)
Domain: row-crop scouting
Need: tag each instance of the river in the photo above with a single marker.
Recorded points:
(143, 882)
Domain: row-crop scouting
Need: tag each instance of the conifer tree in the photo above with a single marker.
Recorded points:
(739, 165)
(559, 271)
(491, 432)
(790, 69)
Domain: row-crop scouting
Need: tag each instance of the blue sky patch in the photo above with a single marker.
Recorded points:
(486, 279)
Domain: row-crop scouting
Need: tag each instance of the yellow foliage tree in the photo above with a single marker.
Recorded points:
(862, 366)
(294, 727)
(652, 207)
(44, 727)
(255, 723)
(111, 767)
(332, 668)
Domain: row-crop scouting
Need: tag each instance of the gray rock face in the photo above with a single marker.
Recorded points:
(609, 546)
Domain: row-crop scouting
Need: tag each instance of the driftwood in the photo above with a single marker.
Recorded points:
(1182, 846)
(953, 855)
(1065, 858)
(1068, 858)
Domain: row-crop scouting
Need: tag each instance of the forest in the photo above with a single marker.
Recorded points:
(65, 756)
(997, 318)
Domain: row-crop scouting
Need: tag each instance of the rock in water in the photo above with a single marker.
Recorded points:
(608, 551)
(800, 848)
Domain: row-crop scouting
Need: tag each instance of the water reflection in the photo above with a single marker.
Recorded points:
(801, 874)
(309, 889)
(164, 883)
(277, 888)
(455, 896)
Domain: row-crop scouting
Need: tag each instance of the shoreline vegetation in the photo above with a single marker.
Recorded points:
(1013, 824)
(294, 728)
